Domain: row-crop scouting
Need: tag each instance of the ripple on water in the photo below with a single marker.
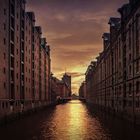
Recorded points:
(71, 121)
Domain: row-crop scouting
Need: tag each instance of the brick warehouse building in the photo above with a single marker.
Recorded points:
(67, 80)
(25, 60)
(60, 89)
(115, 82)
(82, 90)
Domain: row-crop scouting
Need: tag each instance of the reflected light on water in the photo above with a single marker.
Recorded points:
(71, 121)
(77, 123)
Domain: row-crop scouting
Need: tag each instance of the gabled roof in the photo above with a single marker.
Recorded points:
(31, 16)
(106, 36)
(38, 29)
(113, 21)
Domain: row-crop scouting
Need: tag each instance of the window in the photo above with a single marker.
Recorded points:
(17, 27)
(137, 104)
(129, 57)
(4, 56)
(4, 11)
(4, 70)
(4, 85)
(130, 88)
(17, 39)
(137, 87)
(4, 40)
(17, 15)
(22, 24)
(4, 25)
(137, 66)
(130, 69)
(3, 105)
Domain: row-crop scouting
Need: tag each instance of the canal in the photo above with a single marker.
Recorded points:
(71, 121)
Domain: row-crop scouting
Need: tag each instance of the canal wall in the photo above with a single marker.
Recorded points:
(120, 114)
(18, 111)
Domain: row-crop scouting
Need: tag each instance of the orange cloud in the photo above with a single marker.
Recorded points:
(73, 29)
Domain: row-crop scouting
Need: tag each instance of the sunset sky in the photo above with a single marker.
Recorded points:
(73, 29)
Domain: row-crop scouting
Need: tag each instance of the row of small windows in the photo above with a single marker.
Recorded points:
(137, 89)
(4, 70)
(137, 67)
(27, 70)
(4, 105)
(130, 104)
(4, 85)
(27, 89)
(27, 60)
(4, 40)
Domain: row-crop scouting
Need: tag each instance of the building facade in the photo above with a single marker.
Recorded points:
(67, 80)
(25, 60)
(115, 82)
(60, 89)
(82, 90)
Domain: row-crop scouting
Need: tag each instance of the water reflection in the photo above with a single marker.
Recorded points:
(76, 123)
(71, 121)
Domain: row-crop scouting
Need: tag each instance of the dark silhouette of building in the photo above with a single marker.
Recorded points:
(67, 80)
(113, 80)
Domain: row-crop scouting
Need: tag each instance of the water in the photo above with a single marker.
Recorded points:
(71, 121)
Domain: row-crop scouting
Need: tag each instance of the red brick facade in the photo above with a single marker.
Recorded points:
(25, 60)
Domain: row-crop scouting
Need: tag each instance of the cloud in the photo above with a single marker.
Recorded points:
(73, 29)
(76, 74)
